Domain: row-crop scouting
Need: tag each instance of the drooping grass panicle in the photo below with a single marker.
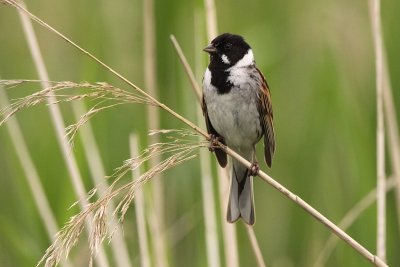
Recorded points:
(295, 198)
(99, 91)
(179, 149)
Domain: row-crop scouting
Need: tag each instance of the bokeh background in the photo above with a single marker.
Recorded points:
(318, 59)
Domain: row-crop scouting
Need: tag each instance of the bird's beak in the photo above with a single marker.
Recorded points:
(210, 49)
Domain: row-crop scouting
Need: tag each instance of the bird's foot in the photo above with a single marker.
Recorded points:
(213, 141)
(254, 169)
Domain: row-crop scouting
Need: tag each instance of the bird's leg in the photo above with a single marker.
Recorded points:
(213, 141)
(254, 167)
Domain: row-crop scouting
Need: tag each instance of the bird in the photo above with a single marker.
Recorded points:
(237, 107)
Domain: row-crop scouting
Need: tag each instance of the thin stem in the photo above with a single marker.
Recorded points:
(255, 246)
(211, 19)
(380, 133)
(188, 70)
(392, 132)
(32, 176)
(58, 124)
(349, 219)
(229, 230)
(207, 184)
(321, 218)
(209, 204)
(140, 209)
(372, 258)
(152, 99)
(153, 122)
(92, 153)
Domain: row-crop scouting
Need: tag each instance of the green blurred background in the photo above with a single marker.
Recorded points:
(318, 59)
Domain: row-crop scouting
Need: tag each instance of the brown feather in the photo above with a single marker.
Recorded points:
(266, 120)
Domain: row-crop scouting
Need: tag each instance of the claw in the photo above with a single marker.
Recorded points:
(213, 141)
(254, 169)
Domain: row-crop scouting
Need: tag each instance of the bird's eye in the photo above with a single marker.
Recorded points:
(228, 46)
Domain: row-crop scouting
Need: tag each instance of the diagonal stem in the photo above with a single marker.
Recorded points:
(156, 102)
(368, 255)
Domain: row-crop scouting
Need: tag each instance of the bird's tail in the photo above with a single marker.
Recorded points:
(241, 201)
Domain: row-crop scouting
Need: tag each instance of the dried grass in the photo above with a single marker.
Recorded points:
(180, 149)
(101, 91)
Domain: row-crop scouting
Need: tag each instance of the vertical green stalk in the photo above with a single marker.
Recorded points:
(145, 260)
(380, 131)
(59, 127)
(228, 230)
(32, 176)
(153, 122)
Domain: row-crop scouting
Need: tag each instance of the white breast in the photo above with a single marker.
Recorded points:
(234, 115)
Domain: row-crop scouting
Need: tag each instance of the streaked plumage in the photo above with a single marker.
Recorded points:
(237, 107)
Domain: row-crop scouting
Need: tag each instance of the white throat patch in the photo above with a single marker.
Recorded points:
(238, 74)
(247, 60)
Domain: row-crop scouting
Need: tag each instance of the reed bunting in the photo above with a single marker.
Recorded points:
(238, 112)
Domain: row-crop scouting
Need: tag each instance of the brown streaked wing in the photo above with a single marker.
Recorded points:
(266, 119)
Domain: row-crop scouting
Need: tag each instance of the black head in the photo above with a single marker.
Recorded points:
(226, 50)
